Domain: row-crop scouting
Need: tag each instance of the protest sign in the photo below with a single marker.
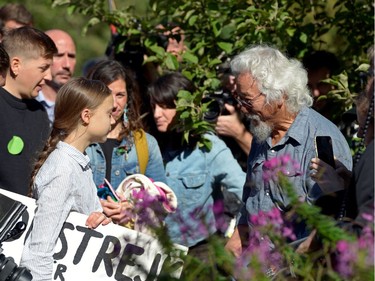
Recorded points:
(110, 252)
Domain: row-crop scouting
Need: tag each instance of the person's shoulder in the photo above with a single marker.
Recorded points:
(212, 137)
(150, 138)
(34, 105)
(322, 123)
(217, 144)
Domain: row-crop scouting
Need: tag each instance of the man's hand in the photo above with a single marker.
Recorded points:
(231, 126)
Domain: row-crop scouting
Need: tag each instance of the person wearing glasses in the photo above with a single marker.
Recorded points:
(232, 126)
(272, 91)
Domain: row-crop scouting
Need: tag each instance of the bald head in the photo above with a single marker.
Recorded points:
(65, 60)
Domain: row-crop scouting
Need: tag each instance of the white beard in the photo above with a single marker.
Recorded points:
(259, 129)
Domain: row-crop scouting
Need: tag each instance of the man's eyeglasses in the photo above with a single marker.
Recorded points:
(247, 103)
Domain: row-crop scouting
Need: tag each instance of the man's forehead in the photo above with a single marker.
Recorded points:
(244, 77)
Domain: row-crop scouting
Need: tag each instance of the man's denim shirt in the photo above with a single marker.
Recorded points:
(298, 142)
(122, 167)
(194, 175)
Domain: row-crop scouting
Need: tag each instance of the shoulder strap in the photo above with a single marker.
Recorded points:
(141, 146)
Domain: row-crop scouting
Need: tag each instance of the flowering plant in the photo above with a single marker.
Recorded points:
(270, 253)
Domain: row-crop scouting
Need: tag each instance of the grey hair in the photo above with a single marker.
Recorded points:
(276, 75)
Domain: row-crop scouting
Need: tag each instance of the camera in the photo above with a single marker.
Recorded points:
(9, 271)
(216, 105)
(11, 229)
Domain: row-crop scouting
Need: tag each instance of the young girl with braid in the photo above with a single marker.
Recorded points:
(62, 179)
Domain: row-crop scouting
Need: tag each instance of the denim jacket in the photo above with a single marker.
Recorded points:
(127, 164)
(194, 175)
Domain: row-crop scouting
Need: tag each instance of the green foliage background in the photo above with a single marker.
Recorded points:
(216, 30)
(92, 44)
(219, 29)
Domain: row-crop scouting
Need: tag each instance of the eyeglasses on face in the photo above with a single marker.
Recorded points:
(246, 102)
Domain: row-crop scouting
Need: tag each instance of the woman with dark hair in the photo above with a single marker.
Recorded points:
(128, 149)
(197, 175)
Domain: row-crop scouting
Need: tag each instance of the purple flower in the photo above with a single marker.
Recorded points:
(287, 232)
(283, 164)
(345, 259)
(368, 217)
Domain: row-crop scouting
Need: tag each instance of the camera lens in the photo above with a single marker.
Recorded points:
(213, 110)
(9, 271)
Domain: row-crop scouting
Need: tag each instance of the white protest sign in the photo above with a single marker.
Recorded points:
(14, 248)
(108, 252)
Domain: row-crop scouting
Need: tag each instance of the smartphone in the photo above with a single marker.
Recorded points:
(110, 191)
(324, 150)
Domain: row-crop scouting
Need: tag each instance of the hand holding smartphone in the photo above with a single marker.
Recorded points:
(324, 150)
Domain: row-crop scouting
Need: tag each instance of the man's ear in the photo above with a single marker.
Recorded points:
(85, 116)
(14, 66)
(282, 101)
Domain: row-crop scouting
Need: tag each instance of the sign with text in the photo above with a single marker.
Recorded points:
(108, 252)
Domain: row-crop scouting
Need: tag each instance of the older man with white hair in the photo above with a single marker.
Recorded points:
(272, 91)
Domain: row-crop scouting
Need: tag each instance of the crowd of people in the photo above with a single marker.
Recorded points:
(72, 135)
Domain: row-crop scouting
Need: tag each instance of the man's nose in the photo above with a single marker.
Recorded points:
(48, 75)
(66, 62)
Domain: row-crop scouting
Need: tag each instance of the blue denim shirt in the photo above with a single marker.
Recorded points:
(298, 142)
(122, 167)
(194, 175)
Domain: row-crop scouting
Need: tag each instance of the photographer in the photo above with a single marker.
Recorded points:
(232, 126)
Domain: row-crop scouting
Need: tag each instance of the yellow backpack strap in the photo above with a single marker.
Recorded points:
(141, 146)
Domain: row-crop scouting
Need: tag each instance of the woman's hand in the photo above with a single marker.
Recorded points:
(97, 218)
(119, 212)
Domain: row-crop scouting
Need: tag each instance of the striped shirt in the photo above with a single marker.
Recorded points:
(63, 184)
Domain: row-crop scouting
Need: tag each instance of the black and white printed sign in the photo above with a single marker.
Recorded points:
(108, 252)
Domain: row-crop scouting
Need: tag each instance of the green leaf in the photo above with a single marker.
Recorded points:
(303, 37)
(291, 31)
(225, 46)
(364, 67)
(188, 56)
(227, 31)
(157, 50)
(183, 94)
(151, 59)
(93, 21)
(214, 62)
(193, 19)
(171, 62)
(189, 14)
(215, 28)
(184, 115)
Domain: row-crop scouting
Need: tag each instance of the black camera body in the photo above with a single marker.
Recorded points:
(11, 229)
(216, 106)
(9, 271)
